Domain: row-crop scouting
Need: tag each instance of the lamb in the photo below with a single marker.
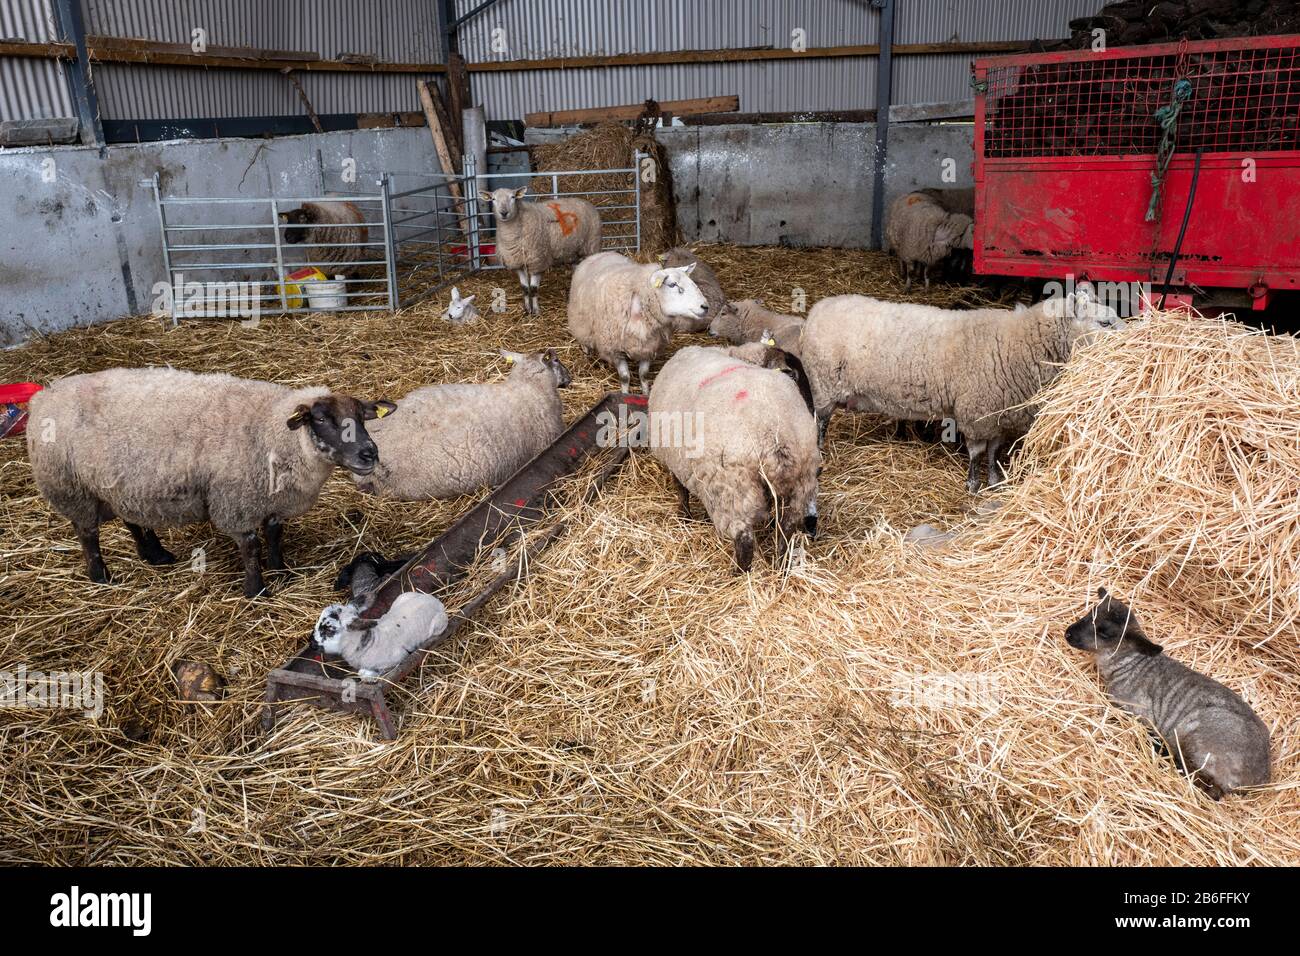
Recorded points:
(452, 440)
(921, 233)
(372, 648)
(533, 237)
(757, 444)
(461, 311)
(706, 279)
(979, 369)
(1212, 733)
(623, 311)
(161, 448)
(365, 572)
(748, 319)
(325, 225)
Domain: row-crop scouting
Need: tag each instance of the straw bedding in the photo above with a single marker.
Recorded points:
(634, 702)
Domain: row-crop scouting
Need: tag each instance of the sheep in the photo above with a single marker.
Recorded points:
(461, 311)
(161, 448)
(757, 442)
(706, 279)
(325, 225)
(531, 237)
(953, 200)
(920, 232)
(623, 311)
(452, 440)
(959, 266)
(979, 369)
(364, 572)
(746, 320)
(372, 648)
(1212, 733)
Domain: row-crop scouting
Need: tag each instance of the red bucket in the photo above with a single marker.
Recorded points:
(13, 407)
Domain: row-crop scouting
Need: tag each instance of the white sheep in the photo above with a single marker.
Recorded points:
(980, 369)
(748, 319)
(531, 237)
(708, 283)
(452, 440)
(373, 648)
(755, 447)
(161, 448)
(623, 311)
(921, 233)
(461, 311)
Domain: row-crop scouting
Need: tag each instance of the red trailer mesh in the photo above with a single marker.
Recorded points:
(1243, 100)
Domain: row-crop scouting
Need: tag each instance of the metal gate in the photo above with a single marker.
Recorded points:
(422, 232)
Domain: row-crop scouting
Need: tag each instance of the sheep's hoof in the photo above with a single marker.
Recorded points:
(256, 590)
(973, 485)
(99, 574)
(810, 526)
(160, 557)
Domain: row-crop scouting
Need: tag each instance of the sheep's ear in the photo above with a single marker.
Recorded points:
(284, 217)
(512, 357)
(468, 300)
(299, 417)
(521, 192)
(372, 410)
(687, 270)
(549, 356)
(1103, 593)
(484, 196)
(455, 294)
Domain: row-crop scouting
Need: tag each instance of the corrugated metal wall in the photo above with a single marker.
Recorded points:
(406, 31)
(548, 28)
(31, 89)
(396, 31)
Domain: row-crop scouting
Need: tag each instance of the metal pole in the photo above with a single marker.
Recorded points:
(156, 186)
(471, 203)
(279, 253)
(636, 188)
(73, 30)
(390, 246)
(884, 92)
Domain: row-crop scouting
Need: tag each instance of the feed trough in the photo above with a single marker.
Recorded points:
(326, 681)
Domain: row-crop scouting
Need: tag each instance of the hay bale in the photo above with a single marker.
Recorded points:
(612, 146)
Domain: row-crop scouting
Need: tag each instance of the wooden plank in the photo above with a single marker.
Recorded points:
(707, 104)
(145, 45)
(457, 87)
(429, 99)
(923, 112)
(678, 57)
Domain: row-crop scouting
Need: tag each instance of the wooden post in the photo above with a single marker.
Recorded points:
(431, 101)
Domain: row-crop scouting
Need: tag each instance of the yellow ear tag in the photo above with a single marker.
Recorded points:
(659, 280)
(770, 342)
(381, 411)
(510, 360)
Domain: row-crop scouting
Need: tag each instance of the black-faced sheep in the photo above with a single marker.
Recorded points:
(921, 233)
(1212, 734)
(532, 237)
(754, 446)
(452, 440)
(705, 279)
(324, 225)
(623, 311)
(980, 369)
(161, 448)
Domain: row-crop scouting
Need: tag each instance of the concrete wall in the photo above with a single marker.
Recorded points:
(81, 241)
(798, 184)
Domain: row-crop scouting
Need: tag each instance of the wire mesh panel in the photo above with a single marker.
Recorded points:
(615, 193)
(1241, 96)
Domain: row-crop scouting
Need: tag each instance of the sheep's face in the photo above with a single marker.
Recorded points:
(460, 309)
(729, 322)
(679, 296)
(504, 202)
(557, 368)
(297, 218)
(336, 427)
(1089, 314)
(329, 628)
(1103, 629)
(677, 257)
(951, 232)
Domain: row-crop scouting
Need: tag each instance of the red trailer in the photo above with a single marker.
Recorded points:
(1067, 153)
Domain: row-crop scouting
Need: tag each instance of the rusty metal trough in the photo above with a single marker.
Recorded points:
(325, 681)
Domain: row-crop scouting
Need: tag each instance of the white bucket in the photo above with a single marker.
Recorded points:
(323, 296)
